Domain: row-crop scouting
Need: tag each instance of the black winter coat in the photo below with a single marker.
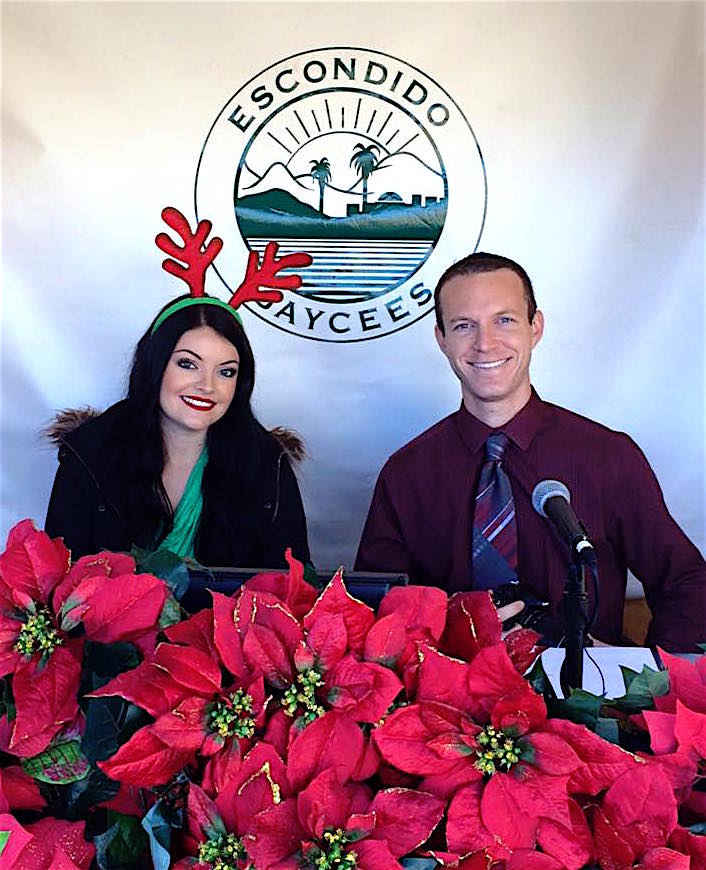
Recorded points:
(87, 506)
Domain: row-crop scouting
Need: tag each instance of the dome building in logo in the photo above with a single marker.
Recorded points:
(362, 161)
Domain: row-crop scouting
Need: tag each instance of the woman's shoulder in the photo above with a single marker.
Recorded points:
(286, 441)
(86, 431)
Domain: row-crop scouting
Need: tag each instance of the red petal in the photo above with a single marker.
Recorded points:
(661, 728)
(32, 564)
(120, 608)
(603, 762)
(148, 686)
(221, 767)
(202, 815)
(101, 565)
(194, 670)
(664, 859)
(196, 632)
(405, 737)
(362, 689)
(374, 855)
(266, 654)
(642, 793)
(57, 845)
(525, 859)
(687, 682)
(523, 647)
(690, 731)
(419, 607)
(183, 728)
(442, 679)
(405, 818)
(334, 740)
(325, 803)
(572, 847)
(523, 709)
(357, 616)
(16, 843)
(612, 850)
(472, 623)
(226, 636)
(18, 791)
(465, 829)
(292, 588)
(386, 640)
(491, 677)
(145, 760)
(277, 835)
(552, 754)
(328, 639)
(46, 698)
(260, 783)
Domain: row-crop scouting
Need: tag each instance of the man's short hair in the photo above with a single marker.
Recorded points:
(479, 262)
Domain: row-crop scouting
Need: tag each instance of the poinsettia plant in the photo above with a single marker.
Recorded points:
(291, 727)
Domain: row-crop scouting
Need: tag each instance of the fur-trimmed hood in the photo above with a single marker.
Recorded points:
(69, 420)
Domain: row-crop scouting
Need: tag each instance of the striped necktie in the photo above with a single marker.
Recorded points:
(494, 546)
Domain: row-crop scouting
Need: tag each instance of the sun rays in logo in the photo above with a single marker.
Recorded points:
(323, 174)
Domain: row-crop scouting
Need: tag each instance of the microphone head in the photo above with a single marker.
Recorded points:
(547, 489)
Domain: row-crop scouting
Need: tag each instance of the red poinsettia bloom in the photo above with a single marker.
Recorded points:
(195, 716)
(479, 735)
(221, 830)
(472, 623)
(41, 602)
(634, 823)
(49, 844)
(333, 825)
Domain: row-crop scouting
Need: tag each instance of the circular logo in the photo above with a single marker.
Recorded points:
(359, 159)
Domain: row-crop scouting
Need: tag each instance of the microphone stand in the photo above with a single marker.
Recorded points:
(575, 616)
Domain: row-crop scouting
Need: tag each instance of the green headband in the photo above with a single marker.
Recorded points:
(187, 303)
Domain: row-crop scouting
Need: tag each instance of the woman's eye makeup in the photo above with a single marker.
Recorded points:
(186, 363)
(229, 372)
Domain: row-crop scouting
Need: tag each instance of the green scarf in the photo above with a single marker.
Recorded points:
(188, 513)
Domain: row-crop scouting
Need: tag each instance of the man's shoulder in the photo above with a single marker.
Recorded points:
(570, 423)
(436, 439)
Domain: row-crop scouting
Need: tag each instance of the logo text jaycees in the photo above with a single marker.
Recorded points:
(350, 155)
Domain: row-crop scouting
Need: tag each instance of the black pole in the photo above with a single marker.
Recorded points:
(574, 614)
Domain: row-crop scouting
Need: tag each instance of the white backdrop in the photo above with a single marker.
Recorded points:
(590, 120)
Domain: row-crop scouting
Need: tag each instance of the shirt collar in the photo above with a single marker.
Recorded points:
(521, 429)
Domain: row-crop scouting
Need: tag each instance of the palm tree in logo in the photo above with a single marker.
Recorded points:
(321, 171)
(365, 162)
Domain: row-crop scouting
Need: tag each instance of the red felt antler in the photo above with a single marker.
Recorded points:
(193, 253)
(257, 277)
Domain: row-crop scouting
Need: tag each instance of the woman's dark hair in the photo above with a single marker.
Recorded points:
(234, 442)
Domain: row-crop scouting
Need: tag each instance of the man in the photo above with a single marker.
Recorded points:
(429, 519)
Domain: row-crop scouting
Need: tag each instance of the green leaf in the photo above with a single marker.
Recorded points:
(110, 722)
(539, 681)
(60, 764)
(581, 707)
(171, 613)
(419, 863)
(130, 841)
(102, 844)
(608, 729)
(702, 647)
(4, 837)
(7, 702)
(641, 689)
(103, 661)
(166, 565)
(698, 828)
(158, 823)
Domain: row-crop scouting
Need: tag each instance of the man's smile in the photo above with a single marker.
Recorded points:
(490, 365)
(198, 403)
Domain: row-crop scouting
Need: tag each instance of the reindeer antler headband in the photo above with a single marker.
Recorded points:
(190, 261)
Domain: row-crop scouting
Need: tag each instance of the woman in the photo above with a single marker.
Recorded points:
(182, 462)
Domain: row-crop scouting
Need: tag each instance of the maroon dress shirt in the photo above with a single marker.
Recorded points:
(420, 517)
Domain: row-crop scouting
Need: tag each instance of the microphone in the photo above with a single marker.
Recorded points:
(551, 499)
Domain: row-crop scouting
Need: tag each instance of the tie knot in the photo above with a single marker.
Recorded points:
(495, 446)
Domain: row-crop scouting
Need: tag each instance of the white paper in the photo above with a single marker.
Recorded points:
(602, 661)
